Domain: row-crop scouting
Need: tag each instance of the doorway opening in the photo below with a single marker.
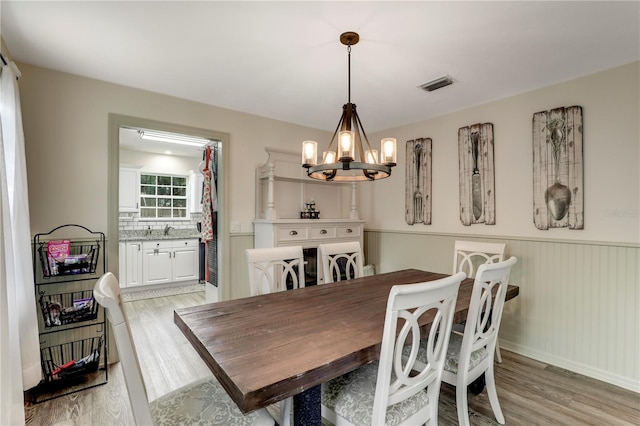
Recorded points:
(168, 192)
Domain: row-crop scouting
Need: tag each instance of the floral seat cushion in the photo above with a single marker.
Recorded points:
(204, 402)
(453, 354)
(351, 396)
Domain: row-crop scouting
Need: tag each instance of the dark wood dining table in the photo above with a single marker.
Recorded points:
(266, 348)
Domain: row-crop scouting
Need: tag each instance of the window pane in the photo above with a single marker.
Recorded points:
(147, 212)
(179, 213)
(164, 180)
(148, 179)
(164, 190)
(148, 190)
(164, 202)
(179, 202)
(180, 192)
(164, 212)
(179, 181)
(148, 202)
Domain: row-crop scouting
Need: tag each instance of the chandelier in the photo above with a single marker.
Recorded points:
(339, 161)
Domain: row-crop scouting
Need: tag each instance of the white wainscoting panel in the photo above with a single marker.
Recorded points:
(238, 285)
(579, 303)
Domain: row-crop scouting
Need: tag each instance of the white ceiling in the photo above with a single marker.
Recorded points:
(283, 60)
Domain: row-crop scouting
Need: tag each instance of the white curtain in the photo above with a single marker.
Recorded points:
(19, 345)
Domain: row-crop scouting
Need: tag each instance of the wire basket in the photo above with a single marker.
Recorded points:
(67, 308)
(71, 360)
(78, 257)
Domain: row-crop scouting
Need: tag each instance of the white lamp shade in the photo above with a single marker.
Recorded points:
(310, 153)
(328, 157)
(388, 151)
(371, 156)
(346, 145)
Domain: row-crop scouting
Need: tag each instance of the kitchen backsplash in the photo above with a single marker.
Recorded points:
(132, 223)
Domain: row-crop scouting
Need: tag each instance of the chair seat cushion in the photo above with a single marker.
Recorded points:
(351, 396)
(453, 354)
(204, 402)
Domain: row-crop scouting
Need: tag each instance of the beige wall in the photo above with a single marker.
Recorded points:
(66, 120)
(611, 111)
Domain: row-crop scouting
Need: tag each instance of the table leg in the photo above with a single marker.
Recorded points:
(477, 386)
(306, 408)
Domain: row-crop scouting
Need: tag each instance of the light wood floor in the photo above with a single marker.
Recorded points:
(530, 392)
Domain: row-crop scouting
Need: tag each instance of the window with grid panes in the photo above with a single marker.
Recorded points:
(163, 196)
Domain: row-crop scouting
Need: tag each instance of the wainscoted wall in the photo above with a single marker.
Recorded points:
(579, 302)
(239, 285)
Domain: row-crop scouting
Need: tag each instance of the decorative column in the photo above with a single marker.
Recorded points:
(353, 214)
(271, 210)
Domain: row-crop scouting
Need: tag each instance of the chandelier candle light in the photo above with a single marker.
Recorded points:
(339, 162)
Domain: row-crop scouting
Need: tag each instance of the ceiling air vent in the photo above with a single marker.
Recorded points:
(436, 84)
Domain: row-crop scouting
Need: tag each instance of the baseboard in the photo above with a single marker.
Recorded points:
(623, 382)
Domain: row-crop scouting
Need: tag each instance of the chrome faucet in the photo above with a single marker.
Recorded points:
(167, 228)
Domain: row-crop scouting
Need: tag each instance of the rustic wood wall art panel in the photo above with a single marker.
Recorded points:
(418, 182)
(477, 176)
(558, 197)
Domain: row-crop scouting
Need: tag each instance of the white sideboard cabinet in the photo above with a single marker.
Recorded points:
(282, 191)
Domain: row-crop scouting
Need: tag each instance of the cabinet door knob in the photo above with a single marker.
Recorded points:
(294, 232)
(323, 231)
(349, 230)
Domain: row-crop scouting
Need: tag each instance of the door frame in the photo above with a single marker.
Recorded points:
(116, 121)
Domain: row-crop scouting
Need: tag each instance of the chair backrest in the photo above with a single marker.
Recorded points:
(400, 377)
(485, 310)
(468, 255)
(275, 269)
(107, 293)
(341, 261)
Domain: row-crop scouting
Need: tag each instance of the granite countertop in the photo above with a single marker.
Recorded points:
(157, 234)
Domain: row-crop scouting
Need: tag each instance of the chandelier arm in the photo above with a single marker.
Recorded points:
(333, 138)
(357, 127)
(363, 132)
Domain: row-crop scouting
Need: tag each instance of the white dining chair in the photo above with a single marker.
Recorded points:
(272, 270)
(471, 355)
(202, 402)
(275, 269)
(395, 390)
(341, 260)
(468, 256)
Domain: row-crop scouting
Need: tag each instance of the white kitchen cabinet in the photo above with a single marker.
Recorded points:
(122, 264)
(195, 191)
(133, 274)
(169, 261)
(129, 189)
(185, 260)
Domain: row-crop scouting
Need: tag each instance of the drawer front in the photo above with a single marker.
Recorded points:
(323, 232)
(157, 244)
(184, 243)
(297, 233)
(349, 231)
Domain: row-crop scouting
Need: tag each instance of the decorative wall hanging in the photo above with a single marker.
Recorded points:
(477, 179)
(418, 182)
(558, 198)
